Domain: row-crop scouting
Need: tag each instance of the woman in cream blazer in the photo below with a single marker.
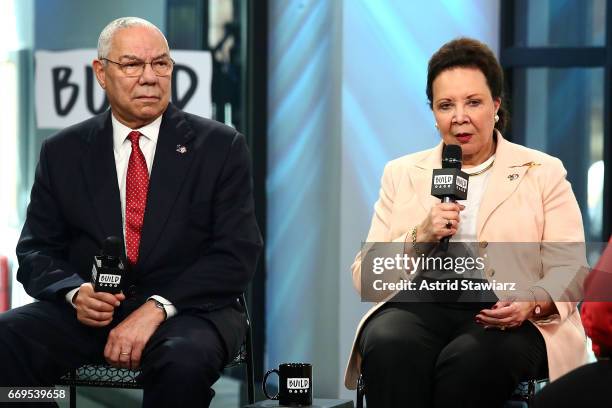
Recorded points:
(527, 199)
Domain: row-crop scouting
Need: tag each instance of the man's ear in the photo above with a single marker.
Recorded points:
(98, 67)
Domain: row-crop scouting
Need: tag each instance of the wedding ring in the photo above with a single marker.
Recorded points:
(125, 354)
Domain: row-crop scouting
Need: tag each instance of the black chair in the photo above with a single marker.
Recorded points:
(523, 394)
(106, 376)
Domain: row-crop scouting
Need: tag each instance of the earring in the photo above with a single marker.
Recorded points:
(436, 125)
(496, 117)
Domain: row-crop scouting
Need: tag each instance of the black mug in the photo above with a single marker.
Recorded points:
(294, 384)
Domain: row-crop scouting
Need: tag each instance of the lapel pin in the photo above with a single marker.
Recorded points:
(513, 177)
(528, 164)
(181, 149)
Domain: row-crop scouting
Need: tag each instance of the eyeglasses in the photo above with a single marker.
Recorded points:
(161, 67)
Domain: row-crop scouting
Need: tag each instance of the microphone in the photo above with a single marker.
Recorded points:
(449, 183)
(108, 268)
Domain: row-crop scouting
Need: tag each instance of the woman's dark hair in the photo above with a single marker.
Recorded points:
(469, 53)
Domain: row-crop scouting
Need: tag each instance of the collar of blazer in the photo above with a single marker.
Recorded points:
(168, 172)
(511, 164)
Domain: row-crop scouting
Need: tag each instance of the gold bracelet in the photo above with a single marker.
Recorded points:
(414, 241)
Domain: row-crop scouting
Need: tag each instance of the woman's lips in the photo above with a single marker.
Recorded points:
(463, 137)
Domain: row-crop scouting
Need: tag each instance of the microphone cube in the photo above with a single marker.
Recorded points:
(106, 276)
(450, 182)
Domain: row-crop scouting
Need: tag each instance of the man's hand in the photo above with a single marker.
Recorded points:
(95, 308)
(127, 341)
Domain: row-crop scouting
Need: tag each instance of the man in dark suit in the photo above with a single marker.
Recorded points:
(178, 189)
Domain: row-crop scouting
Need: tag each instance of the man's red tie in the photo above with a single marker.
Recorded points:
(137, 185)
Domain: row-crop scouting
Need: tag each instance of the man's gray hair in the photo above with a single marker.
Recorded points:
(106, 36)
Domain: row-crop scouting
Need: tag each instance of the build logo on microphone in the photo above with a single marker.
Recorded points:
(462, 183)
(443, 181)
(107, 279)
(449, 182)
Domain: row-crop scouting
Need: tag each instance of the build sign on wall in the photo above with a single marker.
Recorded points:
(67, 91)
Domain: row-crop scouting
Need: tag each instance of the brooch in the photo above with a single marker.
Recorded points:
(181, 149)
(513, 177)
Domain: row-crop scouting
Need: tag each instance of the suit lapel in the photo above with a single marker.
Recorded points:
(101, 178)
(421, 177)
(172, 160)
(507, 173)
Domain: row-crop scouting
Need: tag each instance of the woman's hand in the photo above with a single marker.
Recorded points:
(442, 221)
(506, 314)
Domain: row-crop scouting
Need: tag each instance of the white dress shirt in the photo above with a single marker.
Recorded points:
(122, 148)
(476, 188)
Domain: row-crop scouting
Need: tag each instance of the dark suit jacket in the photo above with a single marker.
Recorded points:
(199, 242)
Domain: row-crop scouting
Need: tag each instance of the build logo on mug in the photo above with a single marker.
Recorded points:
(294, 384)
